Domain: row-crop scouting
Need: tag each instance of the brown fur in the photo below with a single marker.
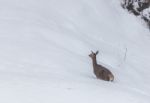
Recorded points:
(100, 71)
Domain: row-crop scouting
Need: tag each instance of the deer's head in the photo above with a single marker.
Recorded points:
(93, 55)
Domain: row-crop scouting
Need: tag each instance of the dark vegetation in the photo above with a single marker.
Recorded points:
(139, 8)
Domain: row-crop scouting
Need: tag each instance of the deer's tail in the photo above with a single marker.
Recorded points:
(111, 77)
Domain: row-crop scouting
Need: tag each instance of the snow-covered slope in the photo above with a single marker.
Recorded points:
(44, 47)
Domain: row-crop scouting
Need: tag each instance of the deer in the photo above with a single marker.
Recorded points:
(100, 71)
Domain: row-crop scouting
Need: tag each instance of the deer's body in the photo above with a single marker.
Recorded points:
(100, 71)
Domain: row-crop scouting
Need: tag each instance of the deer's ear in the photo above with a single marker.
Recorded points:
(97, 52)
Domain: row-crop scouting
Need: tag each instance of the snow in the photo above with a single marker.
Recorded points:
(146, 13)
(44, 47)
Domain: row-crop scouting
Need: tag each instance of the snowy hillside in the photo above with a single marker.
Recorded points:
(44, 48)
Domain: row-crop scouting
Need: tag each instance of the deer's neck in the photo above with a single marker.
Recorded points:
(94, 61)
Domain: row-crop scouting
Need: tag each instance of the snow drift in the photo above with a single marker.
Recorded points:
(45, 46)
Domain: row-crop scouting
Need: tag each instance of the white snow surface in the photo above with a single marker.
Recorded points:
(44, 48)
